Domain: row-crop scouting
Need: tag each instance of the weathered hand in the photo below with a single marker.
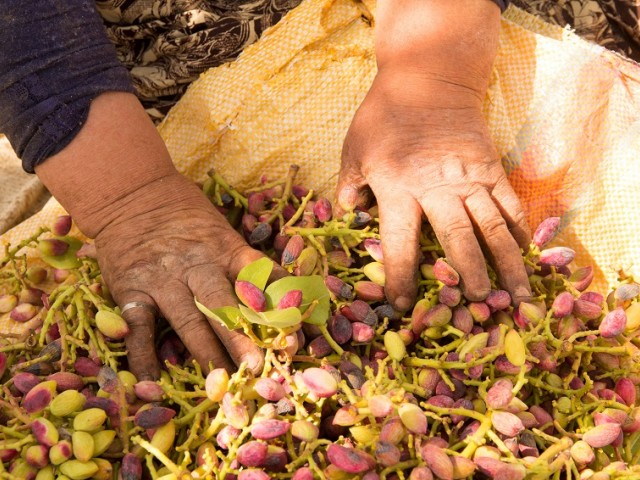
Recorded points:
(170, 246)
(419, 153)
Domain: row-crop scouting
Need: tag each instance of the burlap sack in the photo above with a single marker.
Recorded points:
(563, 114)
(21, 194)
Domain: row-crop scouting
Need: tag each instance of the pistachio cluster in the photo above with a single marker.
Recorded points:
(453, 389)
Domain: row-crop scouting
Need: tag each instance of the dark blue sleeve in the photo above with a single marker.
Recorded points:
(503, 4)
(55, 58)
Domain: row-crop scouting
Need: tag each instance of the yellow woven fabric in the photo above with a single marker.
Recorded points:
(563, 113)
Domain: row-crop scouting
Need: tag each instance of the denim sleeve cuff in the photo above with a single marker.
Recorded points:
(58, 60)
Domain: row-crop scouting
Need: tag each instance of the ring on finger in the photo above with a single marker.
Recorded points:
(132, 305)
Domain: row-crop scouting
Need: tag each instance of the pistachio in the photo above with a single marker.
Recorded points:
(77, 470)
(251, 295)
(90, 420)
(413, 418)
(350, 460)
(102, 440)
(164, 437)
(445, 273)
(514, 348)
(83, 446)
(111, 324)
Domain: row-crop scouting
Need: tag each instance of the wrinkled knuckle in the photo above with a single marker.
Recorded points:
(394, 232)
(139, 320)
(493, 226)
(473, 189)
(395, 236)
(141, 264)
(502, 183)
(520, 220)
(204, 270)
(190, 321)
(457, 230)
(216, 287)
(143, 360)
(137, 343)
(141, 356)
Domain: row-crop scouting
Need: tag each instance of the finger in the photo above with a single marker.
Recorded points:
(503, 249)
(177, 305)
(512, 211)
(243, 255)
(215, 294)
(400, 236)
(352, 190)
(454, 230)
(140, 341)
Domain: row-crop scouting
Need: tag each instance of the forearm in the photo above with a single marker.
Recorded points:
(451, 42)
(55, 58)
(114, 167)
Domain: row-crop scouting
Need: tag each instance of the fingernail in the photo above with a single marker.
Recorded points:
(521, 294)
(477, 295)
(403, 303)
(254, 362)
(348, 198)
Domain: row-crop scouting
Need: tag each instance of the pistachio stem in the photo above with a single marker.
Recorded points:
(10, 253)
(239, 199)
(60, 299)
(284, 199)
(331, 232)
(166, 461)
(193, 434)
(398, 467)
(18, 444)
(446, 365)
(477, 439)
(203, 406)
(325, 333)
(298, 214)
(20, 347)
(12, 432)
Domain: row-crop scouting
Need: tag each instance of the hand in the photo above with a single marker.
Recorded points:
(422, 145)
(159, 240)
(163, 253)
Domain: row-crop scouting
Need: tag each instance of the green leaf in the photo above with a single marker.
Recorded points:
(67, 260)
(257, 272)
(273, 318)
(228, 316)
(312, 287)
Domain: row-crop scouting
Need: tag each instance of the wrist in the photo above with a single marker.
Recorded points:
(149, 204)
(111, 164)
(453, 42)
(424, 90)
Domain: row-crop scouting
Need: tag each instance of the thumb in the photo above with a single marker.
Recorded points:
(352, 190)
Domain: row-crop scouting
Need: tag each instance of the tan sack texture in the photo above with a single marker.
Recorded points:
(21, 194)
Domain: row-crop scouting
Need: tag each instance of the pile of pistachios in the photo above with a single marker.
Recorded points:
(351, 388)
